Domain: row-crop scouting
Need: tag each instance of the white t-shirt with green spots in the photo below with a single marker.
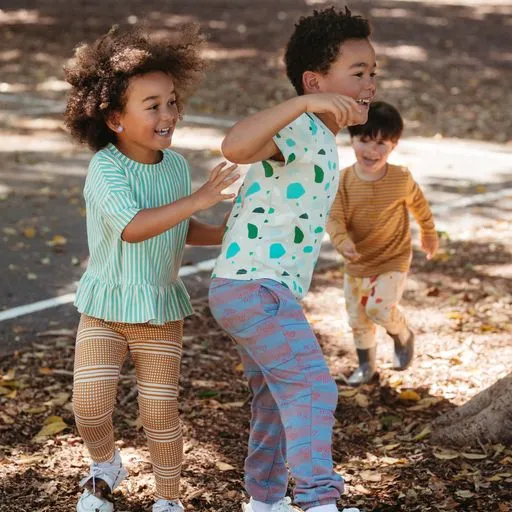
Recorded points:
(278, 220)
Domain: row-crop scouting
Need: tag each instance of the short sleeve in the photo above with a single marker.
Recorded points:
(107, 188)
(296, 139)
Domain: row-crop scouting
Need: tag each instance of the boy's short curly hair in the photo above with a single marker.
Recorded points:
(384, 121)
(316, 41)
(101, 71)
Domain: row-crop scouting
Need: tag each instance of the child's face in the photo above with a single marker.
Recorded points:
(372, 154)
(352, 73)
(149, 117)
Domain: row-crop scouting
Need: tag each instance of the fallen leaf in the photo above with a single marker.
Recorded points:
(474, 456)
(409, 395)
(362, 400)
(30, 232)
(224, 467)
(57, 240)
(464, 494)
(52, 425)
(348, 393)
(371, 476)
(446, 454)
(424, 433)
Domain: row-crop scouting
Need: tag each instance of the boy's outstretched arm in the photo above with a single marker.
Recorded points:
(250, 140)
(420, 209)
(337, 231)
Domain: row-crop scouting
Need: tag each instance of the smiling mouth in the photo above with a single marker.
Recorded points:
(164, 132)
(364, 101)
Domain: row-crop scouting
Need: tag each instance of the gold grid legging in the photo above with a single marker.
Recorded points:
(101, 348)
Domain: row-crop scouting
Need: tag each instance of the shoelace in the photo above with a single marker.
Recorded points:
(283, 505)
(97, 470)
(169, 506)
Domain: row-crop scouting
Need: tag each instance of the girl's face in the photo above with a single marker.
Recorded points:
(148, 118)
(352, 74)
(372, 154)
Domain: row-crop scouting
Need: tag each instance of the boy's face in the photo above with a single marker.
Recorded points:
(352, 73)
(372, 154)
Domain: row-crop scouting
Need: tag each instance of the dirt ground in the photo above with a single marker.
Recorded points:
(447, 65)
(461, 312)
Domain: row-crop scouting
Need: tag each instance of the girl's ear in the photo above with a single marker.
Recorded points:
(113, 122)
(310, 82)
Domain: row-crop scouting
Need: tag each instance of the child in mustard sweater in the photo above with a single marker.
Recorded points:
(369, 226)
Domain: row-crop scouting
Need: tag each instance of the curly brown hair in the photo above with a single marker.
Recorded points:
(315, 43)
(101, 71)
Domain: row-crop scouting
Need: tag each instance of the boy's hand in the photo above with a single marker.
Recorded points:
(211, 192)
(345, 110)
(430, 245)
(349, 251)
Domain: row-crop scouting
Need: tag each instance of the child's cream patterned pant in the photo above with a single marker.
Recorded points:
(101, 348)
(374, 300)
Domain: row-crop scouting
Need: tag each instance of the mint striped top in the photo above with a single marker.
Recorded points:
(133, 282)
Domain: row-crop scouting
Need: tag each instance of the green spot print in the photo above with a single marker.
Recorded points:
(269, 171)
(241, 271)
(252, 231)
(313, 127)
(271, 210)
(319, 229)
(299, 235)
(321, 152)
(291, 158)
(277, 251)
(259, 210)
(308, 249)
(285, 273)
(319, 174)
(290, 143)
(304, 216)
(255, 187)
(233, 249)
(294, 191)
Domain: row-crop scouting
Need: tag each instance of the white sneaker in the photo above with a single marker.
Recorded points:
(168, 506)
(102, 479)
(283, 505)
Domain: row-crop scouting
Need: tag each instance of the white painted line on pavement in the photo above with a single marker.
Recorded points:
(8, 314)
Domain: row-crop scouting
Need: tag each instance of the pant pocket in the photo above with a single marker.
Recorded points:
(269, 300)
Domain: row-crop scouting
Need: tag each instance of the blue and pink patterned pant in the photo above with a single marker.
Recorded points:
(294, 395)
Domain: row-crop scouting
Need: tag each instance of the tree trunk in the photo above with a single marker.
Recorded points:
(487, 417)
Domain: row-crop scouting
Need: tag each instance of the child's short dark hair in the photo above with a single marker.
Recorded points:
(101, 71)
(315, 43)
(384, 121)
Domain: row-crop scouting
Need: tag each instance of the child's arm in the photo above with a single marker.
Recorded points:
(420, 209)
(200, 233)
(151, 222)
(250, 140)
(338, 231)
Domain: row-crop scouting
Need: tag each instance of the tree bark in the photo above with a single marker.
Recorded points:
(487, 417)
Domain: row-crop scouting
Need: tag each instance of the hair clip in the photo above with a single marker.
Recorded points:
(104, 105)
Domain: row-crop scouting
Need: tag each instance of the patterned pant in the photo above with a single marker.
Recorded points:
(374, 300)
(156, 351)
(294, 396)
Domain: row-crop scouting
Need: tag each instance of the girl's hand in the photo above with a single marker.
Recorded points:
(430, 245)
(211, 192)
(349, 251)
(345, 110)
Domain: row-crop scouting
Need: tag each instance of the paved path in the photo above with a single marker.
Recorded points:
(469, 184)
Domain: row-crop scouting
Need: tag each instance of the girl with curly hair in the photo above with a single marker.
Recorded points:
(128, 92)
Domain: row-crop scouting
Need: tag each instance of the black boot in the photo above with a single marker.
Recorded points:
(367, 367)
(404, 351)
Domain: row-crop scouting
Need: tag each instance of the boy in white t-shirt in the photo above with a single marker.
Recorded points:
(269, 252)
